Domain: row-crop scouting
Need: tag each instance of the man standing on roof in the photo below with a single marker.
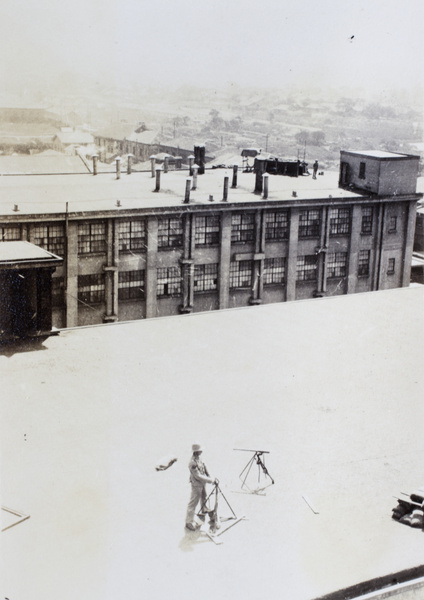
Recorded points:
(199, 477)
(315, 168)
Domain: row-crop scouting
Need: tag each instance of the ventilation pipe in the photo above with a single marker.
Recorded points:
(95, 158)
(166, 164)
(195, 171)
(158, 171)
(187, 191)
(153, 164)
(118, 167)
(199, 157)
(225, 196)
(129, 163)
(234, 182)
(190, 164)
(266, 179)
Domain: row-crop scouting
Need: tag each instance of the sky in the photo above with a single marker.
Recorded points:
(272, 43)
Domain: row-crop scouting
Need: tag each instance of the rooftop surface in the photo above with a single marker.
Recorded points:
(332, 388)
(41, 164)
(50, 193)
(23, 251)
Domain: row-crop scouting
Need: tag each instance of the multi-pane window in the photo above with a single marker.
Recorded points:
(50, 237)
(392, 224)
(132, 235)
(91, 237)
(9, 233)
(58, 292)
(276, 225)
(241, 273)
(205, 277)
(391, 266)
(367, 215)
(306, 268)
(275, 270)
(243, 228)
(169, 281)
(207, 230)
(309, 223)
(91, 288)
(364, 262)
(339, 221)
(130, 285)
(170, 232)
(362, 169)
(336, 264)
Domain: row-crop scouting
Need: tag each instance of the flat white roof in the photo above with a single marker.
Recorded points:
(49, 193)
(331, 387)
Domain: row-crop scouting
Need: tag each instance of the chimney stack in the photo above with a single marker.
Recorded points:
(199, 157)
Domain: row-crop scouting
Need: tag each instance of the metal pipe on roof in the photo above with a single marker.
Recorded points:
(95, 159)
(195, 171)
(118, 167)
(129, 163)
(266, 180)
(153, 164)
(234, 182)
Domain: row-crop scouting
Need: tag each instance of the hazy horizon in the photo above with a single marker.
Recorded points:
(373, 45)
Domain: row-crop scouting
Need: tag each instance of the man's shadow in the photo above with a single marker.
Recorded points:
(192, 538)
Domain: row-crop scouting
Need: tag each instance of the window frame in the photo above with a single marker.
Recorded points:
(392, 225)
(136, 243)
(341, 224)
(50, 242)
(367, 220)
(91, 238)
(309, 260)
(207, 276)
(169, 276)
(310, 227)
(280, 230)
(136, 288)
(207, 230)
(337, 262)
(96, 284)
(172, 235)
(4, 237)
(364, 263)
(244, 231)
(391, 266)
(237, 274)
(275, 271)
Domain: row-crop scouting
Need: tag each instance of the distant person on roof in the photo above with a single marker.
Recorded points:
(315, 169)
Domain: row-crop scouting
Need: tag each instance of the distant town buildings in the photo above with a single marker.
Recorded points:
(157, 243)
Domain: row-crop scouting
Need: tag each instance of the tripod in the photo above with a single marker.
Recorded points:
(218, 526)
(258, 458)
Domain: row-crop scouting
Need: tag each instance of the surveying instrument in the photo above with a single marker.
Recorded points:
(258, 458)
(217, 525)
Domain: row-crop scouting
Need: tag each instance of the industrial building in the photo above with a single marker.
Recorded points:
(166, 242)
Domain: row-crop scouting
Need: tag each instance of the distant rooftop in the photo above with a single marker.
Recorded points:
(17, 252)
(379, 154)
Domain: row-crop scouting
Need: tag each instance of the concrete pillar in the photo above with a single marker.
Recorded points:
(292, 255)
(355, 237)
(408, 242)
(71, 286)
(224, 260)
(151, 267)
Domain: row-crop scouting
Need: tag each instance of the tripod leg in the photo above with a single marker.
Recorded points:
(264, 469)
(248, 467)
(228, 504)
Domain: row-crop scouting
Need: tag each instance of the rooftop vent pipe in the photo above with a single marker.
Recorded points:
(234, 182)
(158, 171)
(187, 191)
(225, 195)
(118, 167)
(95, 158)
(153, 164)
(266, 179)
(129, 163)
(195, 171)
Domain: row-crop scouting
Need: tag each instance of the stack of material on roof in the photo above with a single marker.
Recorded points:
(409, 510)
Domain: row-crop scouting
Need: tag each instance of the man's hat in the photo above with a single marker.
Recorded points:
(197, 448)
